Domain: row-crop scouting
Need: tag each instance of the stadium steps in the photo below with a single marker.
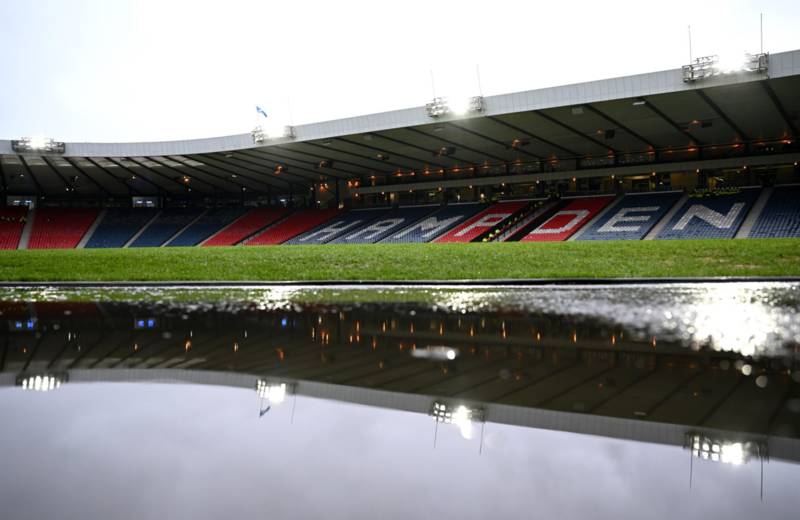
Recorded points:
(535, 222)
(27, 229)
(89, 232)
(490, 234)
(612, 205)
(511, 230)
(661, 224)
(752, 217)
(184, 228)
(252, 231)
(144, 228)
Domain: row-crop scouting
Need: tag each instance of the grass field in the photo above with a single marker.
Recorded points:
(667, 258)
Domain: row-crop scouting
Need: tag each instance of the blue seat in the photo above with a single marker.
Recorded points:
(781, 215)
(384, 226)
(711, 217)
(435, 224)
(211, 222)
(169, 222)
(632, 217)
(333, 229)
(118, 226)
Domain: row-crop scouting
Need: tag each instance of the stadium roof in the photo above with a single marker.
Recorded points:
(634, 124)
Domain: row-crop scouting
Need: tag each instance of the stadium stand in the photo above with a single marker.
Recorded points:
(332, 230)
(165, 226)
(60, 228)
(12, 220)
(209, 223)
(781, 215)
(118, 225)
(247, 225)
(710, 217)
(380, 228)
(435, 224)
(483, 222)
(295, 224)
(567, 220)
(632, 217)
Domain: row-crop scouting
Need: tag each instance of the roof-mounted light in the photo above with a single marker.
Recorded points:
(441, 106)
(708, 66)
(37, 144)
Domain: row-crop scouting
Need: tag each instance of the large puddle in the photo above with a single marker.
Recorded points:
(676, 399)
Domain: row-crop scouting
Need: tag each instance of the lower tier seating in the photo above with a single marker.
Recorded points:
(482, 222)
(781, 215)
(164, 227)
(384, 226)
(12, 221)
(337, 227)
(60, 228)
(632, 217)
(295, 224)
(245, 226)
(212, 221)
(710, 217)
(436, 224)
(118, 225)
(568, 220)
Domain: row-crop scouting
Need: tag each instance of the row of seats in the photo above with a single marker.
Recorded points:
(631, 217)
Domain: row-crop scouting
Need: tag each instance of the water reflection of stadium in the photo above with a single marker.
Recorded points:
(568, 374)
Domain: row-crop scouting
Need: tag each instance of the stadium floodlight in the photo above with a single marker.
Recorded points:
(460, 416)
(708, 66)
(260, 134)
(41, 382)
(37, 144)
(457, 105)
(272, 391)
(734, 452)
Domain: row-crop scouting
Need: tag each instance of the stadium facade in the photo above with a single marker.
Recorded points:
(683, 153)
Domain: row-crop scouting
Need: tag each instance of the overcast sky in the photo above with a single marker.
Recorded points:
(94, 70)
(178, 451)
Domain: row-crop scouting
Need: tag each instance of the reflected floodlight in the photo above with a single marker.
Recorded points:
(715, 449)
(37, 144)
(41, 382)
(272, 391)
(461, 416)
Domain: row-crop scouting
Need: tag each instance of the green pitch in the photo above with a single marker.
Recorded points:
(622, 259)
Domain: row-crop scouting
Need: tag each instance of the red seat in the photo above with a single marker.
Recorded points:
(297, 223)
(245, 226)
(60, 228)
(12, 221)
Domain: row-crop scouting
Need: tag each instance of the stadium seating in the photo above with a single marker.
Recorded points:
(164, 227)
(60, 228)
(245, 226)
(118, 225)
(295, 224)
(212, 221)
(482, 222)
(435, 224)
(380, 228)
(632, 218)
(710, 217)
(12, 220)
(575, 214)
(781, 215)
(337, 227)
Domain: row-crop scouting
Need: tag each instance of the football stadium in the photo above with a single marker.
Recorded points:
(580, 300)
(696, 153)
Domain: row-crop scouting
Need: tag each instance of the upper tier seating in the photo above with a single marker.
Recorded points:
(164, 227)
(60, 228)
(781, 215)
(118, 225)
(384, 226)
(482, 222)
(337, 227)
(12, 221)
(632, 217)
(245, 226)
(435, 224)
(295, 224)
(568, 220)
(712, 217)
(212, 221)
